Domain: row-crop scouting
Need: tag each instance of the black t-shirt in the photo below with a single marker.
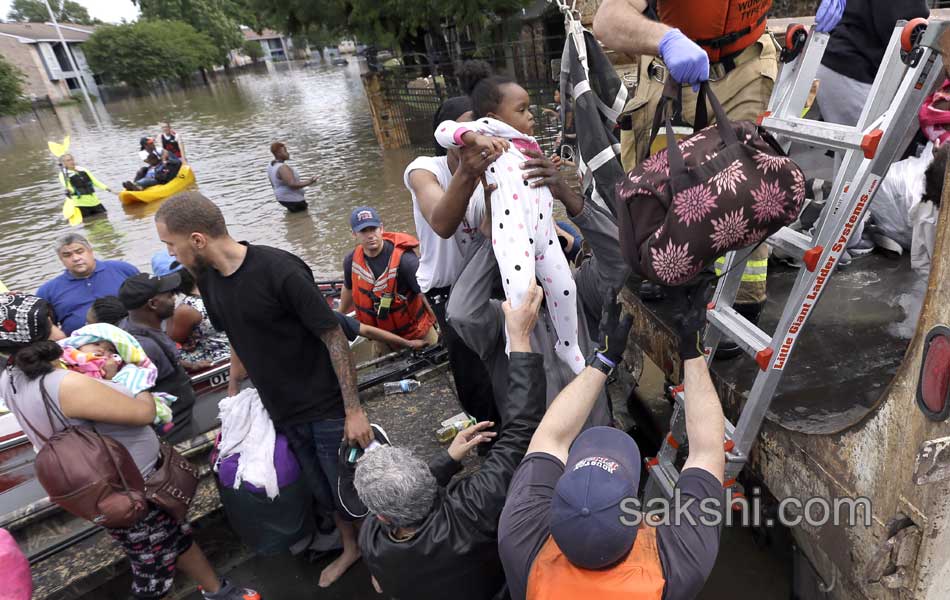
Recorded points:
(857, 44)
(687, 553)
(274, 316)
(405, 275)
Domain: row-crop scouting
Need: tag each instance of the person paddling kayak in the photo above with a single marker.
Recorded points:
(80, 187)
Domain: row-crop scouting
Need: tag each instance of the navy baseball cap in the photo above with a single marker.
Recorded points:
(363, 217)
(603, 468)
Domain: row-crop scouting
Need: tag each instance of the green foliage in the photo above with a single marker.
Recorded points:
(220, 20)
(140, 52)
(252, 49)
(34, 11)
(11, 89)
(379, 21)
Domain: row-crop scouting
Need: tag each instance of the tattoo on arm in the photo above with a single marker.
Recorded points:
(343, 365)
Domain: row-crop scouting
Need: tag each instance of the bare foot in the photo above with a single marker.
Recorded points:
(337, 568)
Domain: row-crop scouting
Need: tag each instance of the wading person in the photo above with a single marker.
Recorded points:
(443, 252)
(34, 373)
(150, 301)
(425, 536)
(81, 187)
(561, 534)
(379, 282)
(284, 337)
(288, 186)
(71, 293)
(724, 42)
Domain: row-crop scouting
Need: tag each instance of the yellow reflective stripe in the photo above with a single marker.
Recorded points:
(755, 270)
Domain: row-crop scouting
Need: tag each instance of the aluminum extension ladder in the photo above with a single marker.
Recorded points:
(887, 125)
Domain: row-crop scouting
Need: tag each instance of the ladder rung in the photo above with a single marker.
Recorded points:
(797, 245)
(664, 473)
(749, 337)
(826, 135)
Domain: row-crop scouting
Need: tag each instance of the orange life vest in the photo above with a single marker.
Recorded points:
(720, 27)
(407, 316)
(637, 577)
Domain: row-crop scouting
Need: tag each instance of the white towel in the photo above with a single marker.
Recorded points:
(247, 429)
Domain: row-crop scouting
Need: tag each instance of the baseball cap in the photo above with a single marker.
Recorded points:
(139, 289)
(164, 263)
(363, 217)
(603, 468)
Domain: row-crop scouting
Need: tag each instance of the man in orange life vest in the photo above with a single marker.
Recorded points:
(724, 42)
(379, 279)
(571, 527)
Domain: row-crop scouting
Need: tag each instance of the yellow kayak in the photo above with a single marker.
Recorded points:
(183, 180)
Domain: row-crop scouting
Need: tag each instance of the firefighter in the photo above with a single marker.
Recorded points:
(724, 42)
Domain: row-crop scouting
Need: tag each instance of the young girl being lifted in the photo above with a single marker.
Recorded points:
(522, 227)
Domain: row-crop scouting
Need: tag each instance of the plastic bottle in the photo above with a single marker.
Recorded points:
(400, 387)
(447, 433)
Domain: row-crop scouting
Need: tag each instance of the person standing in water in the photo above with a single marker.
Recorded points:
(171, 141)
(288, 187)
(80, 187)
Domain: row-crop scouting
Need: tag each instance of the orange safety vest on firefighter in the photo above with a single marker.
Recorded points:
(637, 577)
(376, 299)
(721, 27)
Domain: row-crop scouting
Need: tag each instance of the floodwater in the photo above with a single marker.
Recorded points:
(321, 113)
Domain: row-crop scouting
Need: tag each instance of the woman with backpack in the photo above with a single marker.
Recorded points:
(45, 397)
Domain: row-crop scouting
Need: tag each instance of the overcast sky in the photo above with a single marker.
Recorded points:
(110, 11)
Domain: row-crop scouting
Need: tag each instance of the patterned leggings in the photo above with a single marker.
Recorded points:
(153, 546)
(526, 245)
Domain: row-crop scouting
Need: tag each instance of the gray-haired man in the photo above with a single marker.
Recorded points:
(85, 279)
(429, 539)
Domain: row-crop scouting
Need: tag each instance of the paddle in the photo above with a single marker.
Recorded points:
(71, 212)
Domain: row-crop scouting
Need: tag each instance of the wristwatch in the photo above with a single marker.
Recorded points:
(601, 363)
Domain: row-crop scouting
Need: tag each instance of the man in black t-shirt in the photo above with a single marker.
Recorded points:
(283, 336)
(568, 523)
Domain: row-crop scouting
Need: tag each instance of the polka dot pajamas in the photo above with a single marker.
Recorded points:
(523, 236)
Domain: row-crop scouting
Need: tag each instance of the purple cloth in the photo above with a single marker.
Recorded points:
(288, 469)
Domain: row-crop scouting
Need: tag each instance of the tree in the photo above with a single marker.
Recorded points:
(34, 11)
(252, 49)
(11, 89)
(379, 21)
(140, 52)
(220, 20)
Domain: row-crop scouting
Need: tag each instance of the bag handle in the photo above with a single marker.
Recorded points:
(723, 124)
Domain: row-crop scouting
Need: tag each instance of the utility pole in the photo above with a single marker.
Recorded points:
(72, 63)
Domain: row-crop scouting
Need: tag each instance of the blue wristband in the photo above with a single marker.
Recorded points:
(607, 361)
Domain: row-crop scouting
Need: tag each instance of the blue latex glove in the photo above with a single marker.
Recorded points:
(687, 62)
(829, 14)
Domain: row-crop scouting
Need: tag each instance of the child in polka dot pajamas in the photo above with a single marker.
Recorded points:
(523, 236)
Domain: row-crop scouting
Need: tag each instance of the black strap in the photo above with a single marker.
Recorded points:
(728, 38)
(723, 124)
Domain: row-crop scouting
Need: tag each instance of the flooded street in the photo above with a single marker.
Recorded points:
(321, 114)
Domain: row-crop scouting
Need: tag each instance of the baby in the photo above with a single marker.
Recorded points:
(104, 351)
(523, 235)
(99, 360)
